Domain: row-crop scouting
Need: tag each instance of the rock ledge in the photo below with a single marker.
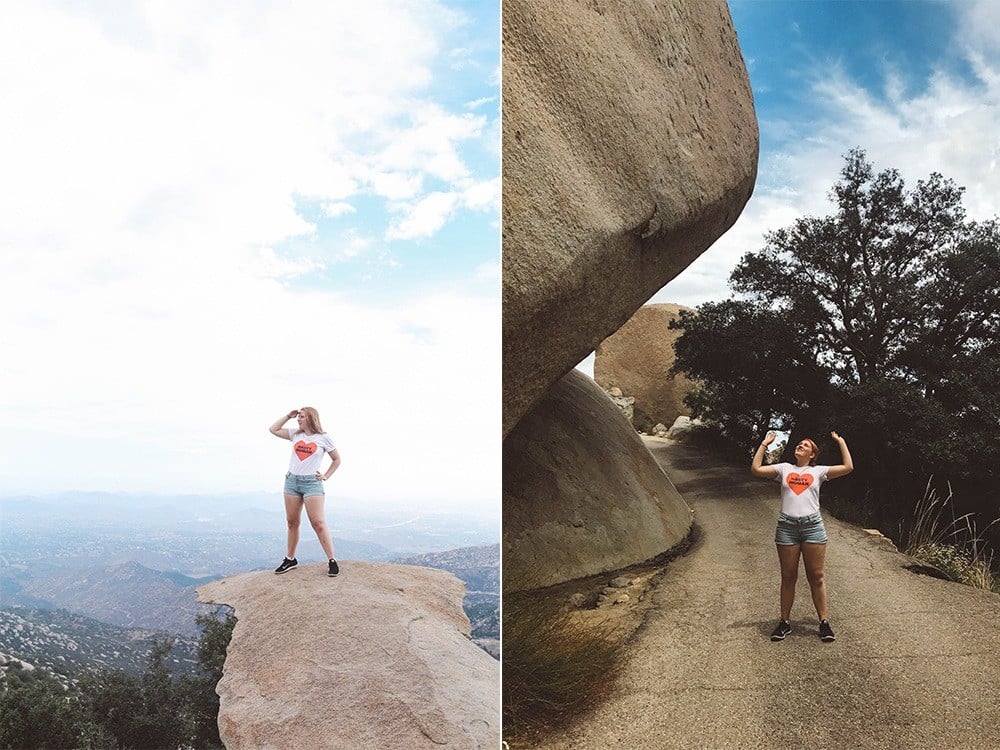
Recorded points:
(378, 657)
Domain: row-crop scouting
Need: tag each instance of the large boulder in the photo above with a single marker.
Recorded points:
(581, 492)
(379, 657)
(636, 359)
(630, 146)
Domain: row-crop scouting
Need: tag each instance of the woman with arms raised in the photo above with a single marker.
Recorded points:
(800, 526)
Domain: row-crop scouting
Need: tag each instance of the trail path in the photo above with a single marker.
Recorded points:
(916, 663)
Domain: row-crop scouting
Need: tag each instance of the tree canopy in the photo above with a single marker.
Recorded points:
(880, 320)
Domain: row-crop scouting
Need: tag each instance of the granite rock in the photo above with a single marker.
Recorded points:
(630, 146)
(378, 657)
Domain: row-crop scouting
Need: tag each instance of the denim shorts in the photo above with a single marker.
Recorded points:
(798, 529)
(303, 485)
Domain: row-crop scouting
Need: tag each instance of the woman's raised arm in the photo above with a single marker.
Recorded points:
(278, 429)
(757, 468)
(847, 464)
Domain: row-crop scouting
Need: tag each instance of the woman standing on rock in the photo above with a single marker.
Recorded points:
(800, 525)
(304, 481)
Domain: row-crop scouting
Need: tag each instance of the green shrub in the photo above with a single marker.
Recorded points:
(954, 547)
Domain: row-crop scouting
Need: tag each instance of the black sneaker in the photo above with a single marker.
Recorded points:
(783, 629)
(826, 632)
(334, 569)
(286, 565)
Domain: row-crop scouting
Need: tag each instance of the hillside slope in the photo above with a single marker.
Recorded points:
(916, 662)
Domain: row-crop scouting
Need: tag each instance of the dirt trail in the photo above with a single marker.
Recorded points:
(916, 662)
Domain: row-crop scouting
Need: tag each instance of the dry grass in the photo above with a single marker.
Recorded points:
(553, 666)
(954, 546)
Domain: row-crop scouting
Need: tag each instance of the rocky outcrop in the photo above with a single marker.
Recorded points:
(378, 657)
(637, 357)
(630, 145)
(581, 493)
(625, 404)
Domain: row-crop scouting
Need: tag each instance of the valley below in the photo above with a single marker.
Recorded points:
(86, 585)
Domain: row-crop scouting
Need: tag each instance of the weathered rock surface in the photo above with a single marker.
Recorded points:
(581, 492)
(681, 427)
(378, 657)
(637, 357)
(630, 145)
(625, 404)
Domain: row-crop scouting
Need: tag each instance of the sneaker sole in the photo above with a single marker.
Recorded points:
(281, 572)
(827, 638)
(333, 575)
(780, 637)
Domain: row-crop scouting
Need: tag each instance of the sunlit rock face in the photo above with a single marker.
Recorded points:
(378, 657)
(629, 146)
(636, 359)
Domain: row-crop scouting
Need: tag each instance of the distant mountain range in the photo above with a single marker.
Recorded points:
(126, 594)
(479, 567)
(68, 617)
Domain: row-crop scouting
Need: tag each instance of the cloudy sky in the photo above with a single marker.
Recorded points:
(214, 213)
(916, 84)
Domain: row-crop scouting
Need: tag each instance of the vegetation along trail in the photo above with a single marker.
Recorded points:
(916, 662)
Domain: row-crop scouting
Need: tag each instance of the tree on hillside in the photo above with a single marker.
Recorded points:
(114, 710)
(148, 711)
(204, 702)
(881, 320)
(36, 711)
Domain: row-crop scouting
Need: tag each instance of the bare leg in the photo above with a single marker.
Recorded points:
(314, 509)
(788, 557)
(814, 557)
(293, 513)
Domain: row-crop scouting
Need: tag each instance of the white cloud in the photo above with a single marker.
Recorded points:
(979, 26)
(426, 216)
(477, 103)
(483, 195)
(396, 185)
(272, 265)
(429, 143)
(353, 244)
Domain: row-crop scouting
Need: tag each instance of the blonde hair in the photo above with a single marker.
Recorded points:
(312, 417)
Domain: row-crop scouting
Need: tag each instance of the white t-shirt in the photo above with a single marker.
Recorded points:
(800, 488)
(308, 451)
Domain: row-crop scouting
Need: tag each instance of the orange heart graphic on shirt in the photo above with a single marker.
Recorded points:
(304, 450)
(799, 482)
